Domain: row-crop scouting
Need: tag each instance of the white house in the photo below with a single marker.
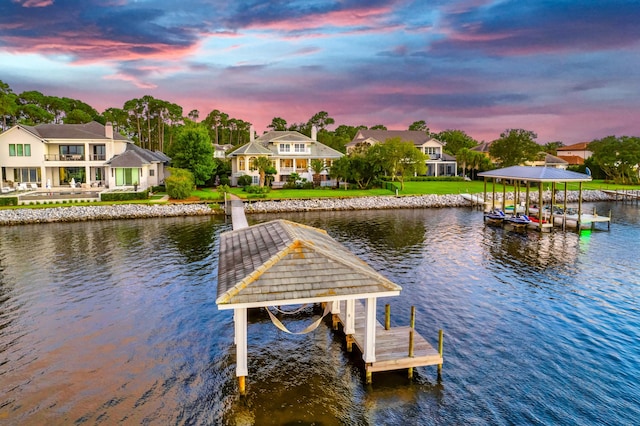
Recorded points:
(439, 163)
(89, 154)
(289, 152)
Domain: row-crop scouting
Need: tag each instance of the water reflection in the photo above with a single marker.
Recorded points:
(115, 322)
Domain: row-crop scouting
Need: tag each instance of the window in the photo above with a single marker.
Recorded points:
(26, 175)
(241, 163)
(285, 147)
(252, 164)
(152, 172)
(255, 180)
(299, 147)
(127, 176)
(19, 150)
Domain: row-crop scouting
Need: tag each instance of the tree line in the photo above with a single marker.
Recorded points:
(154, 124)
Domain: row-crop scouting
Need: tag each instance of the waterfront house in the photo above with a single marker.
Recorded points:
(575, 154)
(439, 163)
(90, 155)
(289, 152)
(545, 159)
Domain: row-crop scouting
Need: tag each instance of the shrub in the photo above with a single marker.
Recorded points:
(8, 201)
(245, 180)
(224, 180)
(124, 196)
(257, 189)
(179, 184)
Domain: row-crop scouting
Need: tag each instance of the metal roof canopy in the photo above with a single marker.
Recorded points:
(536, 174)
(284, 263)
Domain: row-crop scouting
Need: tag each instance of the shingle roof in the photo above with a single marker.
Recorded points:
(251, 148)
(134, 156)
(580, 146)
(536, 174)
(279, 261)
(415, 136)
(92, 130)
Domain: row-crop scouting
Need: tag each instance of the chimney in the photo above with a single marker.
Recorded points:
(314, 133)
(108, 130)
(251, 133)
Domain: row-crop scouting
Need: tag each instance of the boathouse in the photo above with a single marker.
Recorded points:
(541, 175)
(281, 263)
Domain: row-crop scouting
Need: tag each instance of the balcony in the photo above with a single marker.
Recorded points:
(63, 157)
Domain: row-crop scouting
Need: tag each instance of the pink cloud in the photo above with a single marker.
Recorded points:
(34, 3)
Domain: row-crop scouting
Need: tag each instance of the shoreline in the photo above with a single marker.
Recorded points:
(140, 211)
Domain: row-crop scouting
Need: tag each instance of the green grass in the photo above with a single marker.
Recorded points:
(208, 194)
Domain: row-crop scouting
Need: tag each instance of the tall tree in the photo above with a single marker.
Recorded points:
(321, 120)
(400, 159)
(617, 157)
(420, 126)
(8, 105)
(455, 140)
(514, 147)
(278, 123)
(192, 150)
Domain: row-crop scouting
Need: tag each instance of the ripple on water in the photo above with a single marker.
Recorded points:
(116, 322)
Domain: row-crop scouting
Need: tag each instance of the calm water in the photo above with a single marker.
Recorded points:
(115, 322)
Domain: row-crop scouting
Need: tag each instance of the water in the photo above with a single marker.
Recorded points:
(115, 322)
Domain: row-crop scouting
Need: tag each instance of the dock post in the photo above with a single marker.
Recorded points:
(350, 326)
(369, 378)
(441, 351)
(410, 372)
(242, 385)
(387, 316)
(412, 324)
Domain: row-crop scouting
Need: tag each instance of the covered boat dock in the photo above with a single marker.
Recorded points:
(542, 175)
(281, 263)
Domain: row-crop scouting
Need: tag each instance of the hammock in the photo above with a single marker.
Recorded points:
(311, 327)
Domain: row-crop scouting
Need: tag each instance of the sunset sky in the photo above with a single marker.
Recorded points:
(567, 70)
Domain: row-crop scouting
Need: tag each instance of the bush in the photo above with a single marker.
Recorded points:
(257, 189)
(245, 180)
(124, 196)
(8, 201)
(224, 180)
(179, 183)
(158, 188)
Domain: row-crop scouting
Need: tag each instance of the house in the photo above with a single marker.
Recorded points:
(220, 150)
(547, 160)
(91, 154)
(575, 154)
(289, 152)
(439, 163)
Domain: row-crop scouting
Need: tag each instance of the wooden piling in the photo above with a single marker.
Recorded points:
(242, 385)
(410, 371)
(350, 341)
(387, 316)
(412, 322)
(441, 351)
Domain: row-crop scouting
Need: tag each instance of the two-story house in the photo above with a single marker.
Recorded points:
(91, 154)
(439, 163)
(575, 154)
(289, 152)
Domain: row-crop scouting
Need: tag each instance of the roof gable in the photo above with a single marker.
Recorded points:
(279, 261)
(417, 137)
(92, 130)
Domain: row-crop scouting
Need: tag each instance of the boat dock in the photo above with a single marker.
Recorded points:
(397, 348)
(280, 263)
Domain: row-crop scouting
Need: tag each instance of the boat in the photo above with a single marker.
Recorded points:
(495, 216)
(473, 198)
(518, 219)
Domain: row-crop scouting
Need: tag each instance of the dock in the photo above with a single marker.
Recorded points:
(395, 348)
(280, 263)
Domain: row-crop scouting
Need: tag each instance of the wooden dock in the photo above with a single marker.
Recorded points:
(392, 347)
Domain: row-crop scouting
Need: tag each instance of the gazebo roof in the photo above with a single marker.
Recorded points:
(536, 174)
(282, 262)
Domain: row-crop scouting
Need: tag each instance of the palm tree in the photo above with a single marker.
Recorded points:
(317, 165)
(262, 164)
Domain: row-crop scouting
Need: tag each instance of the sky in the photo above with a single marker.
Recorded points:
(567, 70)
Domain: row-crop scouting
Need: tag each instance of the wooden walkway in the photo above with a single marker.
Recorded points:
(392, 346)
